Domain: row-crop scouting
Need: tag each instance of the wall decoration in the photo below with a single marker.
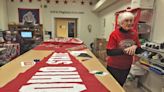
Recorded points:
(89, 28)
(65, 1)
(74, 1)
(104, 22)
(45, 6)
(28, 16)
(82, 2)
(57, 1)
(67, 12)
(90, 3)
(30, 1)
(48, 1)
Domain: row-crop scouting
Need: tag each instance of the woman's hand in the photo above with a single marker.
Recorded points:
(130, 50)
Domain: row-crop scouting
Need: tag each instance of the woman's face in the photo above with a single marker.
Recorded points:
(127, 24)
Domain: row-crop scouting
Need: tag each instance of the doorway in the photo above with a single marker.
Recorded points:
(66, 27)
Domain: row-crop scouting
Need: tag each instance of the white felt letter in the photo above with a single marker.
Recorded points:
(48, 79)
(53, 87)
(61, 69)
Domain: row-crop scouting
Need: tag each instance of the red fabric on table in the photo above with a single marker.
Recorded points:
(58, 47)
(65, 40)
(89, 80)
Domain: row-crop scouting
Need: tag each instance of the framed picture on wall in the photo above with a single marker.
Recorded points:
(28, 16)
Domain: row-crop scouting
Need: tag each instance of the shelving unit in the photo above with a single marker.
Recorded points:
(36, 29)
(145, 25)
(28, 43)
(153, 80)
(154, 50)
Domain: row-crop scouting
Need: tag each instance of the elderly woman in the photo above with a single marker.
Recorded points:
(123, 43)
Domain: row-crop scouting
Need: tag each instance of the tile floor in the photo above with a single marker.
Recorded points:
(131, 87)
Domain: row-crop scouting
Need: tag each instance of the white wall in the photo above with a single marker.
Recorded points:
(47, 18)
(158, 30)
(109, 17)
(3, 15)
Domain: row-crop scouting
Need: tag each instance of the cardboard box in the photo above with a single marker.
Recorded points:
(12, 50)
(102, 55)
(95, 52)
(100, 44)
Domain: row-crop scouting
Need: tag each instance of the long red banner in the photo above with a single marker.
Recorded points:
(59, 72)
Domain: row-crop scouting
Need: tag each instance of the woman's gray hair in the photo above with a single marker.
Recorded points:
(125, 15)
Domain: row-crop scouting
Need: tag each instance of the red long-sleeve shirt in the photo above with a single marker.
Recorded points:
(120, 40)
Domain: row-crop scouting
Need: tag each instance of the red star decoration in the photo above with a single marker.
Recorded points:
(65, 2)
(90, 3)
(57, 1)
(48, 1)
(74, 1)
(82, 2)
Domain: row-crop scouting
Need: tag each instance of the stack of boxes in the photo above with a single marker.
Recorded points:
(99, 48)
(2, 56)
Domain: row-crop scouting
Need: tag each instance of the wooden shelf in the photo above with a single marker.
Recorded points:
(161, 51)
(36, 29)
(28, 43)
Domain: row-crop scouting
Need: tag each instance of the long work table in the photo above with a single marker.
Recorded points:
(11, 70)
